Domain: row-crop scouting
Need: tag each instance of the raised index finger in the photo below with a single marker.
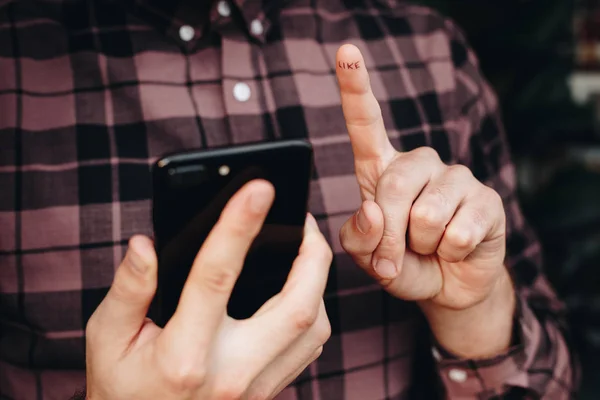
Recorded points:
(361, 109)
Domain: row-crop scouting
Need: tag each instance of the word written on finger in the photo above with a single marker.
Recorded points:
(347, 65)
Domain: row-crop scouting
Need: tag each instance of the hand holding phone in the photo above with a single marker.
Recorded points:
(202, 353)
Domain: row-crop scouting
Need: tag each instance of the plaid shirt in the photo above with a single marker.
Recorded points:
(91, 92)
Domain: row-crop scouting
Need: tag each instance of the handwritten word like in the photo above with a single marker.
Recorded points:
(344, 65)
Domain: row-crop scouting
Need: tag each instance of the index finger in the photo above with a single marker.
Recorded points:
(203, 302)
(361, 109)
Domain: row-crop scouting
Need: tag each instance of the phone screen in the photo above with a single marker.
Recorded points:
(189, 196)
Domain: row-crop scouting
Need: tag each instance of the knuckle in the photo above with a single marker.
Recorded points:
(494, 197)
(461, 239)
(479, 216)
(302, 318)
(394, 182)
(318, 352)
(91, 328)
(322, 326)
(427, 217)
(326, 253)
(390, 242)
(492, 207)
(427, 152)
(460, 171)
(323, 331)
(319, 248)
(348, 246)
(185, 376)
(219, 279)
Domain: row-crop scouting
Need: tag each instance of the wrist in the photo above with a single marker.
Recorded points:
(483, 330)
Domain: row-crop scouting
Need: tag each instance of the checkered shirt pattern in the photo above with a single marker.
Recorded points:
(93, 91)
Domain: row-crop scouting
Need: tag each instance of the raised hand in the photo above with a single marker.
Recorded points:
(426, 231)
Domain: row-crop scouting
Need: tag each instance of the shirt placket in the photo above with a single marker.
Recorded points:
(241, 90)
(247, 99)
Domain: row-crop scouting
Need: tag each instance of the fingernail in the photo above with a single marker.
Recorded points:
(258, 202)
(362, 222)
(386, 269)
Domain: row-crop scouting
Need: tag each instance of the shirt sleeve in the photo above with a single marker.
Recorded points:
(540, 362)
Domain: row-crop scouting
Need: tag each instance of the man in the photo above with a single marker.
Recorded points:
(452, 302)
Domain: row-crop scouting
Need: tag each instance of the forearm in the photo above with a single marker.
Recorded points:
(481, 331)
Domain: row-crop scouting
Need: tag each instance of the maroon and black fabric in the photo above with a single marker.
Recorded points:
(91, 92)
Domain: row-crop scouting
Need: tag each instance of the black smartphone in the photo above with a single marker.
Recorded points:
(191, 189)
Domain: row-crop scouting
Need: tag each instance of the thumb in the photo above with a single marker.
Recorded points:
(361, 234)
(123, 311)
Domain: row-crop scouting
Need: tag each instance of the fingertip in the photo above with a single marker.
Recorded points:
(351, 70)
(261, 196)
(311, 225)
(259, 188)
(385, 269)
(389, 256)
(263, 187)
(348, 50)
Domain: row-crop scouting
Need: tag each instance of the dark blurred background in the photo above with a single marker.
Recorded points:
(543, 59)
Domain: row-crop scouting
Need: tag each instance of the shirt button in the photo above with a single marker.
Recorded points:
(241, 91)
(256, 27)
(223, 8)
(186, 33)
(457, 375)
